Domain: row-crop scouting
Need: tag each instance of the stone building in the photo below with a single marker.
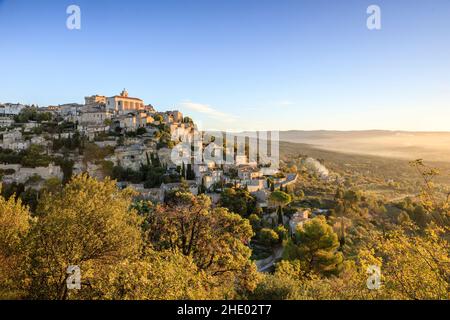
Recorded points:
(6, 122)
(124, 103)
(10, 109)
(13, 140)
(95, 99)
(94, 114)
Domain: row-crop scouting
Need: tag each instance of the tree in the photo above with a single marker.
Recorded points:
(436, 204)
(268, 237)
(14, 226)
(32, 114)
(215, 238)
(188, 120)
(107, 168)
(141, 131)
(255, 221)
(88, 224)
(275, 287)
(239, 201)
(291, 282)
(190, 174)
(164, 275)
(282, 232)
(414, 265)
(52, 185)
(346, 206)
(420, 216)
(34, 157)
(315, 245)
(280, 199)
(93, 152)
(300, 194)
(66, 167)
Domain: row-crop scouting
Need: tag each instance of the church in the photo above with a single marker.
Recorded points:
(123, 103)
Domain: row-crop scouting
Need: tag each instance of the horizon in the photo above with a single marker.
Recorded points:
(280, 130)
(315, 67)
(245, 130)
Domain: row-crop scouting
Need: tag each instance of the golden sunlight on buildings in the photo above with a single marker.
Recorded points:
(124, 103)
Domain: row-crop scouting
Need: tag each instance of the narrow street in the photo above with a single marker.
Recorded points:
(267, 264)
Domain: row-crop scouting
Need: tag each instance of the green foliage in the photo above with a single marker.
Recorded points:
(280, 198)
(268, 237)
(158, 118)
(188, 120)
(190, 249)
(282, 232)
(214, 238)
(72, 143)
(107, 168)
(151, 175)
(141, 131)
(9, 156)
(290, 282)
(33, 157)
(88, 224)
(255, 221)
(315, 245)
(94, 153)
(32, 114)
(164, 275)
(66, 167)
(239, 201)
(275, 287)
(165, 139)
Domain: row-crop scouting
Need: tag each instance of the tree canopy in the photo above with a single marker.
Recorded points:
(215, 238)
(316, 245)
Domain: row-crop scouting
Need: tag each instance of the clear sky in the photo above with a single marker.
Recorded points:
(238, 64)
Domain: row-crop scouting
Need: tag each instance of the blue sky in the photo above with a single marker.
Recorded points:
(238, 64)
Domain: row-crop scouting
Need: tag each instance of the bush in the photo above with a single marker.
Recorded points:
(268, 237)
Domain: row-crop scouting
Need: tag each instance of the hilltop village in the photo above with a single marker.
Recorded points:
(123, 138)
(116, 136)
(116, 160)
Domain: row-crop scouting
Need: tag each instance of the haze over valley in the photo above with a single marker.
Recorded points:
(430, 146)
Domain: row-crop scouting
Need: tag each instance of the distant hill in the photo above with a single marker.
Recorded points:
(432, 146)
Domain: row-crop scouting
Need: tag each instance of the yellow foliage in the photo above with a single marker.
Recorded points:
(14, 226)
(89, 224)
